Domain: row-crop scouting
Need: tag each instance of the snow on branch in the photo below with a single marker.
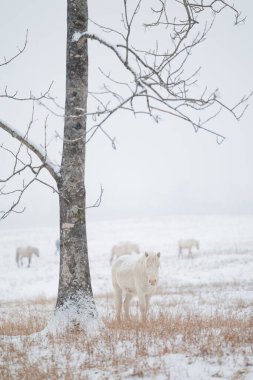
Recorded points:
(41, 154)
(77, 35)
(21, 166)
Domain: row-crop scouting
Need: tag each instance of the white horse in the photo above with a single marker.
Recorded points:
(26, 252)
(124, 248)
(57, 246)
(135, 275)
(187, 244)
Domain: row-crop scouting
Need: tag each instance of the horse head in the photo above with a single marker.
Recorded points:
(152, 264)
(36, 252)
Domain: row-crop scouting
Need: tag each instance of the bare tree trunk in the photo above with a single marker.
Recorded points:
(74, 282)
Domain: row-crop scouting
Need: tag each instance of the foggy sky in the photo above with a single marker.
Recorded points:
(157, 169)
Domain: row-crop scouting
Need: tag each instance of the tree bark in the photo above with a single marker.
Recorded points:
(74, 281)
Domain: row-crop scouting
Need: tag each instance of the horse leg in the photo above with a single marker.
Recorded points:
(29, 261)
(126, 302)
(118, 300)
(143, 306)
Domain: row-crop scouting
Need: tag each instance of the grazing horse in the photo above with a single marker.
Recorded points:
(124, 248)
(27, 252)
(57, 246)
(187, 244)
(135, 275)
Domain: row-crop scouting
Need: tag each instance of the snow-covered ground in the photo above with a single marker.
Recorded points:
(218, 279)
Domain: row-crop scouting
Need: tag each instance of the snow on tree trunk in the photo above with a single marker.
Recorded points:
(75, 295)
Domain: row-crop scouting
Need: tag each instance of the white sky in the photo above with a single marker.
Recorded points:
(157, 169)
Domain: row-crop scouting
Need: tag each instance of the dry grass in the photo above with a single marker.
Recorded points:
(213, 335)
(18, 318)
(127, 348)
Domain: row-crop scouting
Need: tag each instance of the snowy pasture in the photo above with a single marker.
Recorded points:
(210, 292)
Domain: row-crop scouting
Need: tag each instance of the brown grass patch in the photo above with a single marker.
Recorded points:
(24, 318)
(125, 348)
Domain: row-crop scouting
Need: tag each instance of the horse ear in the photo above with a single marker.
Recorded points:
(158, 254)
(146, 254)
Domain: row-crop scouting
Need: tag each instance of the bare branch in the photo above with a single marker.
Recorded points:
(33, 148)
(158, 76)
(14, 95)
(20, 51)
(99, 200)
(17, 201)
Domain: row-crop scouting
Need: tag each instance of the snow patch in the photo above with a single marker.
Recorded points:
(77, 35)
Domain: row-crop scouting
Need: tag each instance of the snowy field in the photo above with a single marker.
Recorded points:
(225, 255)
(217, 281)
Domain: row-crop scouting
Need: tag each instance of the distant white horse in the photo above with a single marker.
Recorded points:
(124, 248)
(135, 275)
(26, 252)
(187, 244)
(57, 246)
